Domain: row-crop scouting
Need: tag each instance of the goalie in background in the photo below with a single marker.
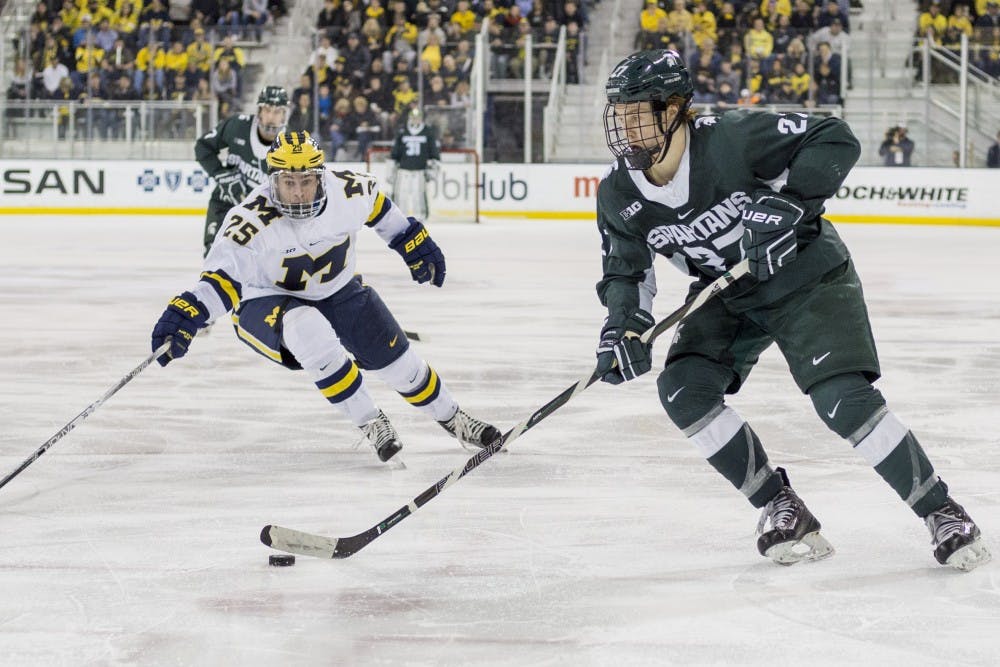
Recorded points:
(234, 154)
(413, 162)
(285, 265)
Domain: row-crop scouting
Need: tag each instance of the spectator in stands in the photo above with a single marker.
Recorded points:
(200, 53)
(20, 84)
(123, 91)
(572, 12)
(149, 63)
(796, 53)
(154, 23)
(327, 20)
(54, 72)
(988, 59)
(826, 85)
(726, 98)
(88, 58)
(989, 21)
(758, 42)
(704, 87)
(206, 11)
(436, 95)
(993, 154)
(233, 54)
(824, 54)
(650, 20)
(896, 148)
(783, 34)
(802, 19)
(326, 48)
(833, 12)
(432, 27)
(66, 92)
(703, 25)
(770, 10)
(175, 61)
(224, 82)
(834, 35)
(256, 16)
(230, 21)
(960, 20)
(727, 24)
(350, 18)
(679, 20)
(95, 119)
(126, 21)
(105, 36)
(774, 80)
(574, 55)
(401, 39)
(801, 81)
(367, 125)
(378, 95)
(461, 95)
(85, 34)
(301, 118)
(341, 128)
(932, 21)
(726, 74)
(357, 57)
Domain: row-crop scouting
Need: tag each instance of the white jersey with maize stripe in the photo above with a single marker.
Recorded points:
(259, 252)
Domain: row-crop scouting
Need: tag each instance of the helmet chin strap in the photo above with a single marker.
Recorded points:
(669, 132)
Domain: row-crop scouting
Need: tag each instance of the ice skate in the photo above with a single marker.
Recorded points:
(794, 533)
(382, 436)
(956, 538)
(470, 431)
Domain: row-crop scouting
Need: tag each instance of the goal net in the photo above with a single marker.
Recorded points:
(454, 194)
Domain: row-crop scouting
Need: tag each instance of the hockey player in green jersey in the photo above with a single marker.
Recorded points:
(415, 160)
(234, 154)
(707, 192)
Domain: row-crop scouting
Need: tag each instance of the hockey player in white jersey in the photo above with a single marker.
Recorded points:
(284, 264)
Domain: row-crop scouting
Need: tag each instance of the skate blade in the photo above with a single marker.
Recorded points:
(970, 557)
(811, 547)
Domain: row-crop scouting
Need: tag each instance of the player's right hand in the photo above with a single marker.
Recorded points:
(232, 189)
(184, 315)
(621, 354)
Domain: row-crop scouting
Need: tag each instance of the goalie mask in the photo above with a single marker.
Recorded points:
(296, 173)
(415, 121)
(639, 91)
(272, 111)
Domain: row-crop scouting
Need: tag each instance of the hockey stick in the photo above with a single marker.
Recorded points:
(87, 412)
(308, 544)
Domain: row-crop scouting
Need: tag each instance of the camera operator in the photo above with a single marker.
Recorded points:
(897, 148)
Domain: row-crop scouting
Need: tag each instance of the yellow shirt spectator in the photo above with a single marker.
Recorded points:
(233, 54)
(176, 59)
(199, 52)
(403, 99)
(88, 57)
(758, 42)
(934, 21)
(960, 20)
(679, 19)
(149, 58)
(772, 9)
(801, 83)
(650, 17)
(465, 21)
(432, 54)
(704, 25)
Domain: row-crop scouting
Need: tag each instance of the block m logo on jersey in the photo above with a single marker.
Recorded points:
(300, 268)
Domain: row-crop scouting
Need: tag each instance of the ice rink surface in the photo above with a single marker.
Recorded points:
(601, 538)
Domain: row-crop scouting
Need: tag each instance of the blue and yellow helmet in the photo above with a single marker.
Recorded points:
(296, 153)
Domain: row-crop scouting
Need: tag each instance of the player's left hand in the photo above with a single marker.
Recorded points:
(621, 354)
(421, 253)
(182, 319)
(769, 232)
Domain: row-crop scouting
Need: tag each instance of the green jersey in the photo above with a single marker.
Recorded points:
(694, 220)
(413, 150)
(244, 151)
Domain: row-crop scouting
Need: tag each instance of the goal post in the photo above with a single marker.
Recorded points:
(454, 194)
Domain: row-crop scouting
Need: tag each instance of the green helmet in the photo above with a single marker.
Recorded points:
(275, 96)
(653, 77)
(649, 76)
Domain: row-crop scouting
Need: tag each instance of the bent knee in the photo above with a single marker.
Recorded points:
(846, 402)
(691, 387)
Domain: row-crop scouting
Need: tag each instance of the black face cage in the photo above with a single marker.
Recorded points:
(636, 155)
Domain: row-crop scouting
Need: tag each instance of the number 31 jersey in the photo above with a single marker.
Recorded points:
(259, 252)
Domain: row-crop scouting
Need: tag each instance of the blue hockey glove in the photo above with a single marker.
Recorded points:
(182, 319)
(621, 355)
(769, 232)
(421, 254)
(232, 189)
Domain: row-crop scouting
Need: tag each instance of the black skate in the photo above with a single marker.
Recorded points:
(382, 436)
(956, 538)
(794, 534)
(470, 431)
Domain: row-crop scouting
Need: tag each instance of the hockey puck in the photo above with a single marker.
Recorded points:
(281, 560)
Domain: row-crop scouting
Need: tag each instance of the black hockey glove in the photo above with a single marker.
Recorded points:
(182, 319)
(421, 253)
(232, 189)
(769, 232)
(621, 355)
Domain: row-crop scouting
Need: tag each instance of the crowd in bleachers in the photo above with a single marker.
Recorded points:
(751, 52)
(374, 62)
(945, 21)
(127, 50)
